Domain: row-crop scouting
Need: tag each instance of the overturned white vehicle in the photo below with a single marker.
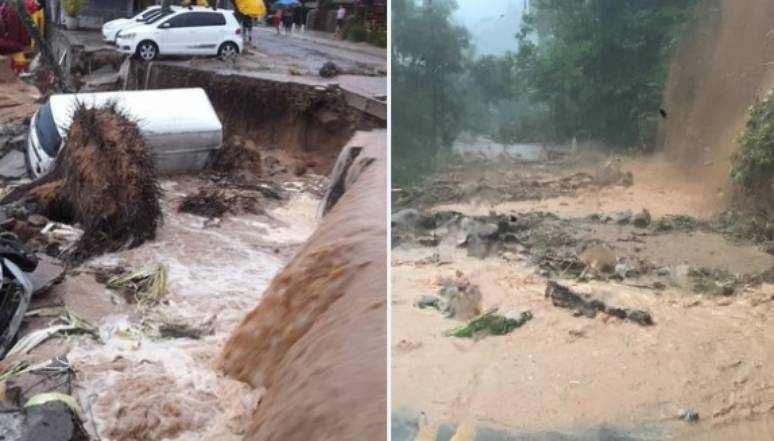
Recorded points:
(180, 127)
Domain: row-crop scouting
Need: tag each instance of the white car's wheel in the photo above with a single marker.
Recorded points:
(147, 51)
(228, 50)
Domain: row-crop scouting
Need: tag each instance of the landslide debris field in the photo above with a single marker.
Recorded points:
(600, 292)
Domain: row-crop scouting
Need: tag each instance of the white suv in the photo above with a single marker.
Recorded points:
(189, 31)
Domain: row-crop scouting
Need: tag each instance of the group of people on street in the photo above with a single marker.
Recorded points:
(283, 18)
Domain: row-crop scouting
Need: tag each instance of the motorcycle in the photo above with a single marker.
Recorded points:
(16, 260)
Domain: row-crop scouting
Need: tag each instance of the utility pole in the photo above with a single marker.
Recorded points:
(45, 51)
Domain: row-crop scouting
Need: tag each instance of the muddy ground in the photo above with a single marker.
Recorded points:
(707, 291)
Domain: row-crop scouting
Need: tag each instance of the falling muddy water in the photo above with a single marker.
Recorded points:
(137, 389)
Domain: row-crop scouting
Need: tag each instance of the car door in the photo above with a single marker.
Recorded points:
(174, 33)
(206, 34)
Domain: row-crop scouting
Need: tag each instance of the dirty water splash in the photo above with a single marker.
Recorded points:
(139, 389)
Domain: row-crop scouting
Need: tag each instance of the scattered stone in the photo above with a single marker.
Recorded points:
(642, 219)
(425, 302)
(52, 421)
(12, 165)
(621, 270)
(622, 218)
(688, 414)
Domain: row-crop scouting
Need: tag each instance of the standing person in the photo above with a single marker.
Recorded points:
(287, 22)
(278, 20)
(247, 28)
(340, 14)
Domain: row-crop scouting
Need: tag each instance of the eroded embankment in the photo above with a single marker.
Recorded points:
(317, 339)
(722, 65)
(301, 126)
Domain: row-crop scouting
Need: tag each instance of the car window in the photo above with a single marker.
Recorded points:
(148, 14)
(207, 19)
(180, 21)
(45, 128)
(156, 18)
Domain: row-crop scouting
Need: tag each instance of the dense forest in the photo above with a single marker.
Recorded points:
(585, 69)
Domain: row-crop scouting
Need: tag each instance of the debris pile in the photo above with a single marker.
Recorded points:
(458, 298)
(589, 305)
(103, 180)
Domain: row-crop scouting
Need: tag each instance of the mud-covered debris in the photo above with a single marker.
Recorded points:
(215, 202)
(612, 175)
(459, 297)
(167, 328)
(583, 304)
(642, 219)
(688, 414)
(104, 180)
(491, 324)
(599, 257)
(239, 155)
(330, 70)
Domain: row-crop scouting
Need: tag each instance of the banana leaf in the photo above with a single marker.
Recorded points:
(490, 324)
(149, 283)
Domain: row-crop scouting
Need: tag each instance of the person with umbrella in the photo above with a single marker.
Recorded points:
(287, 15)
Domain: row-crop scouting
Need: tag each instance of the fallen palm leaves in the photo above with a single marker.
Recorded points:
(491, 324)
(65, 322)
(149, 283)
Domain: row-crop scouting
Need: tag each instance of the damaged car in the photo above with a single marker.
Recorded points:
(180, 127)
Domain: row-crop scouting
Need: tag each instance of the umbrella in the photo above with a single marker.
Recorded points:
(287, 3)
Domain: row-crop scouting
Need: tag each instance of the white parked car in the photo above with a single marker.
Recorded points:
(111, 28)
(187, 31)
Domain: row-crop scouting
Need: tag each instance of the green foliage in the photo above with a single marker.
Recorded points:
(427, 60)
(378, 38)
(714, 282)
(679, 222)
(753, 162)
(745, 226)
(74, 7)
(601, 65)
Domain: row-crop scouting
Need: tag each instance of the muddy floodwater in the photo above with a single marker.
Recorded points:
(138, 388)
(571, 374)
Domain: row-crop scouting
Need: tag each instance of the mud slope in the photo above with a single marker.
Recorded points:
(716, 75)
(317, 340)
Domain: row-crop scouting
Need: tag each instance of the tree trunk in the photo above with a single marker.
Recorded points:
(45, 50)
(166, 5)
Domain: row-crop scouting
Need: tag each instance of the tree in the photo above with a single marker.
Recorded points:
(427, 56)
(600, 65)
